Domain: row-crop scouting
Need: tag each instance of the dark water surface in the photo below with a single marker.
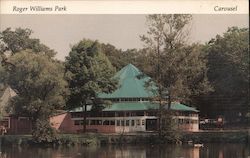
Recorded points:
(130, 151)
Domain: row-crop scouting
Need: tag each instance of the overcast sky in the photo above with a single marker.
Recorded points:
(60, 31)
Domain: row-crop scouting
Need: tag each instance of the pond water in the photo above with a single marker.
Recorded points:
(130, 151)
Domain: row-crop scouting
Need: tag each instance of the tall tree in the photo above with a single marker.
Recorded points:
(178, 69)
(228, 63)
(89, 73)
(177, 66)
(13, 74)
(14, 41)
(39, 84)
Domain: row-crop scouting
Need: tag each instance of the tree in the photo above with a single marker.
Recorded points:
(114, 55)
(2, 88)
(2, 74)
(28, 67)
(18, 40)
(89, 72)
(228, 63)
(12, 42)
(179, 69)
(120, 58)
(39, 84)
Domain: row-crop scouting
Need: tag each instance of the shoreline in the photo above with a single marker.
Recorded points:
(95, 139)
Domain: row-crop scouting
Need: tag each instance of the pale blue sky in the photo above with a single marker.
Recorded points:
(60, 31)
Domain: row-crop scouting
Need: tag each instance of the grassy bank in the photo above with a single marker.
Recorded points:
(217, 137)
(138, 138)
(63, 139)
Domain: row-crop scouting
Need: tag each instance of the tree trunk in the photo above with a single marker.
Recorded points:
(169, 100)
(84, 116)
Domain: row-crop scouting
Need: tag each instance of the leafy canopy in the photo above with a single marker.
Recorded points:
(228, 63)
(175, 65)
(88, 72)
(19, 39)
(39, 83)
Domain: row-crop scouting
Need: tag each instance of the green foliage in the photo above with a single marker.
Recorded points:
(43, 132)
(179, 67)
(228, 63)
(170, 132)
(120, 58)
(73, 139)
(28, 68)
(2, 77)
(89, 72)
(216, 137)
(39, 84)
(114, 55)
(19, 39)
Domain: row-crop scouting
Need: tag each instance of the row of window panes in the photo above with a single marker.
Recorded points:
(130, 122)
(129, 99)
(95, 122)
(112, 122)
(109, 114)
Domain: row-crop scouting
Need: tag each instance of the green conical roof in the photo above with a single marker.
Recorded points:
(131, 84)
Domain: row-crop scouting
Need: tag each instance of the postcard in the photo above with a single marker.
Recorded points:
(114, 79)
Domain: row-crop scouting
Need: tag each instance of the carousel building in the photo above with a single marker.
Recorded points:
(131, 109)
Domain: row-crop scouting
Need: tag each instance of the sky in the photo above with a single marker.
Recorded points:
(60, 32)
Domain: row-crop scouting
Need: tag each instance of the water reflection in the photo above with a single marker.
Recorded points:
(130, 151)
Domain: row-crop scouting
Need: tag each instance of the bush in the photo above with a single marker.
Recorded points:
(43, 132)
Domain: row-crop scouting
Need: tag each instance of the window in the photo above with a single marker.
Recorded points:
(115, 100)
(87, 122)
(122, 123)
(117, 122)
(5, 122)
(120, 114)
(112, 122)
(138, 122)
(106, 122)
(99, 122)
(139, 113)
(78, 122)
(194, 121)
(23, 118)
(127, 122)
(143, 122)
(77, 115)
(92, 122)
(132, 122)
(133, 114)
(145, 99)
(181, 121)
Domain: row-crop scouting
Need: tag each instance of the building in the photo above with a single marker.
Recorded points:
(9, 123)
(131, 110)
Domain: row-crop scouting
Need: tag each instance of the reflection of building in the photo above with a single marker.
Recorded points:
(131, 109)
